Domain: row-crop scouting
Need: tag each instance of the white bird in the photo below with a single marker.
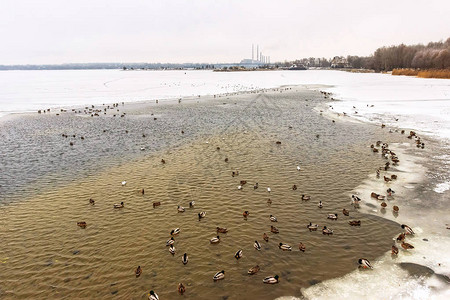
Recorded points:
(298, 168)
(239, 187)
(269, 190)
(124, 182)
(142, 148)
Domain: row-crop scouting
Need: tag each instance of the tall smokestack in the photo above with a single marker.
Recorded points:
(260, 56)
(257, 52)
(253, 53)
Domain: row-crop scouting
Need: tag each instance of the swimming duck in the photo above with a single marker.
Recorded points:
(271, 279)
(269, 201)
(345, 212)
(265, 237)
(301, 247)
(408, 230)
(170, 241)
(124, 183)
(180, 209)
(294, 187)
(298, 168)
(238, 254)
(383, 204)
(395, 208)
(306, 198)
(364, 263)
(82, 224)
(91, 201)
(119, 205)
(285, 247)
(201, 214)
(219, 275)
(274, 229)
(401, 237)
(142, 191)
(184, 258)
(175, 231)
(253, 270)
(255, 186)
(356, 200)
(355, 223)
(191, 204)
(273, 218)
(215, 240)
(153, 296)
(332, 216)
(181, 288)
(239, 187)
(312, 227)
(172, 249)
(222, 229)
(390, 191)
(163, 161)
(245, 214)
(257, 245)
(320, 204)
(394, 250)
(326, 230)
(138, 271)
(407, 246)
(269, 190)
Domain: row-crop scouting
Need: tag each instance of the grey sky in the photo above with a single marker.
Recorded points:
(61, 31)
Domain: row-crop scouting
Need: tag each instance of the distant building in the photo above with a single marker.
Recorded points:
(339, 62)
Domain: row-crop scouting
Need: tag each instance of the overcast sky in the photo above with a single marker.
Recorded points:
(62, 31)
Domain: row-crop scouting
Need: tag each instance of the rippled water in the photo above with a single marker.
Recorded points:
(44, 253)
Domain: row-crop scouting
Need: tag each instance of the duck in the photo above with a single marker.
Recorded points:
(215, 240)
(390, 191)
(181, 288)
(271, 279)
(222, 229)
(170, 241)
(238, 254)
(355, 223)
(274, 229)
(383, 204)
(320, 204)
(124, 183)
(326, 230)
(269, 201)
(294, 187)
(82, 224)
(269, 190)
(253, 270)
(301, 247)
(201, 215)
(401, 237)
(172, 249)
(395, 208)
(332, 216)
(356, 200)
(92, 201)
(407, 246)
(219, 275)
(364, 263)
(153, 296)
(394, 250)
(306, 198)
(285, 247)
(184, 258)
(257, 245)
(163, 161)
(255, 186)
(142, 191)
(245, 214)
(138, 271)
(298, 168)
(181, 209)
(191, 204)
(265, 237)
(175, 231)
(119, 205)
(273, 218)
(408, 230)
(345, 212)
(312, 227)
(239, 187)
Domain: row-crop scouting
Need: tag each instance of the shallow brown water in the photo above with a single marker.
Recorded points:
(45, 255)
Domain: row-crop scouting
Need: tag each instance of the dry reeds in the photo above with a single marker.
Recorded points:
(431, 73)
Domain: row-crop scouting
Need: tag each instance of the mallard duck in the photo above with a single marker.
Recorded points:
(320, 204)
(408, 230)
(401, 237)
(82, 224)
(245, 214)
(184, 258)
(265, 237)
(355, 223)
(121, 205)
(271, 279)
(395, 208)
(170, 241)
(332, 216)
(294, 187)
(155, 204)
(345, 212)
(356, 200)
(181, 209)
(390, 191)
(92, 201)
(138, 271)
(364, 263)
(274, 229)
(285, 247)
(163, 161)
(273, 218)
(238, 254)
(257, 245)
(306, 198)
(181, 288)
(172, 249)
(153, 296)
(219, 275)
(407, 246)
(326, 230)
(191, 204)
(222, 229)
(269, 201)
(255, 186)
(215, 240)
(394, 250)
(175, 231)
(301, 247)
(387, 179)
(312, 227)
(201, 214)
(253, 270)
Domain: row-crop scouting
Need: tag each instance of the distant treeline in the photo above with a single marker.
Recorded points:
(435, 55)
